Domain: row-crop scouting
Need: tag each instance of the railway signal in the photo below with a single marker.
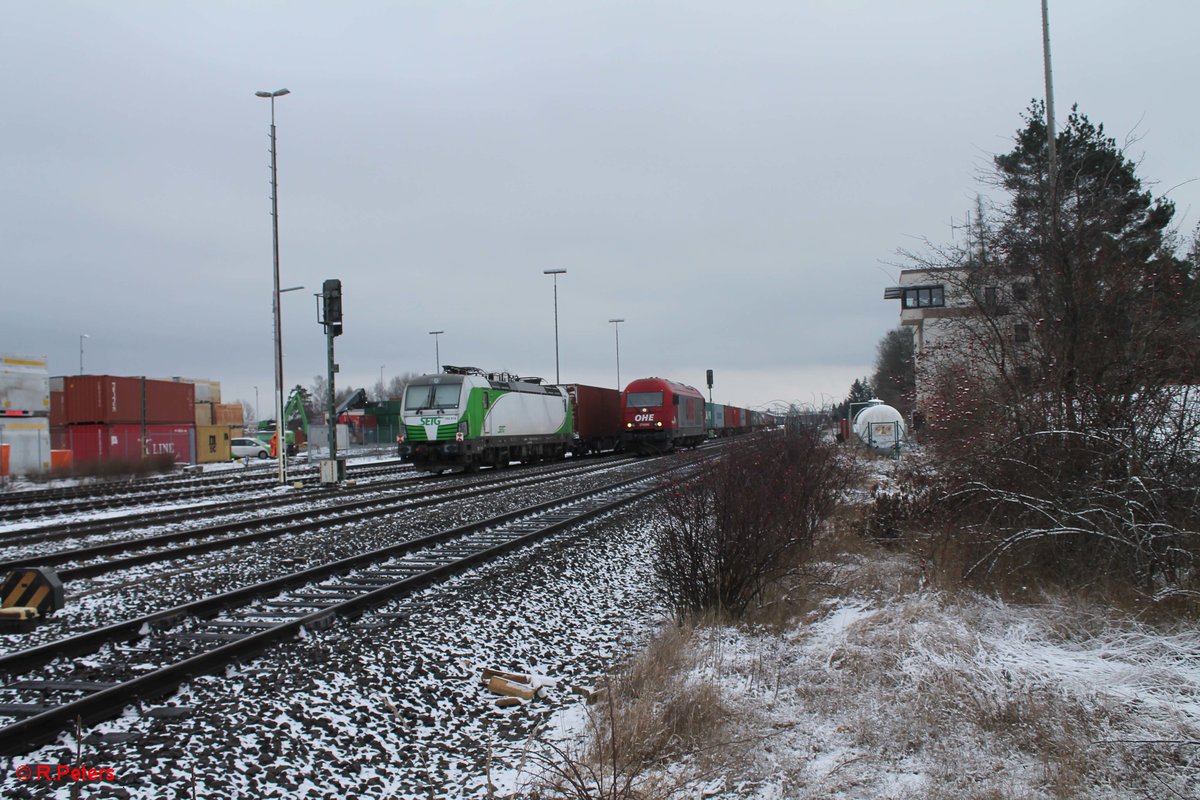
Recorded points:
(333, 469)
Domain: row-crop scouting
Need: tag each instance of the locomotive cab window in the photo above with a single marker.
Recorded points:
(643, 399)
(439, 396)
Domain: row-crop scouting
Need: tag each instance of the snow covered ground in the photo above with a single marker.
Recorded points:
(391, 704)
(880, 688)
(890, 691)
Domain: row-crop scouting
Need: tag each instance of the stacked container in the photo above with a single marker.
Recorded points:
(24, 412)
(105, 417)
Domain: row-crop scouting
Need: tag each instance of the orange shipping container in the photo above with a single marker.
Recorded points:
(60, 460)
(228, 414)
(4, 448)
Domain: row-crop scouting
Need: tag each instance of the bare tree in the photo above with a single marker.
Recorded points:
(1061, 404)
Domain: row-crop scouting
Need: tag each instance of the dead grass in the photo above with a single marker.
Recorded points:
(640, 719)
(872, 670)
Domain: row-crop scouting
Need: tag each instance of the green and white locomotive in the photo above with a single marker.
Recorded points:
(464, 419)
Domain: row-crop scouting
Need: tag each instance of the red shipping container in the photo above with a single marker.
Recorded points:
(89, 443)
(597, 410)
(93, 399)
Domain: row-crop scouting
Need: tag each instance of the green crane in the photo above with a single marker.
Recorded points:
(292, 409)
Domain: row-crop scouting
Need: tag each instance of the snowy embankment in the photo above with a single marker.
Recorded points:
(880, 693)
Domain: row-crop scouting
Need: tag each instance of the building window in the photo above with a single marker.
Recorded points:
(1024, 375)
(1020, 292)
(991, 296)
(924, 297)
(1020, 333)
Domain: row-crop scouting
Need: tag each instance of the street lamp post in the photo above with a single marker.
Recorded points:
(617, 333)
(82, 336)
(555, 273)
(437, 354)
(381, 366)
(256, 414)
(280, 445)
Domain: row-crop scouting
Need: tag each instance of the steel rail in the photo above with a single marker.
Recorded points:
(25, 734)
(292, 522)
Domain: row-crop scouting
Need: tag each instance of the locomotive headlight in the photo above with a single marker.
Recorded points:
(659, 423)
(628, 424)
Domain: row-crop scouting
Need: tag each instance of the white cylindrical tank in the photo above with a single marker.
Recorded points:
(880, 426)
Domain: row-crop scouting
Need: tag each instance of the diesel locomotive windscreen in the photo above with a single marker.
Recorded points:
(643, 399)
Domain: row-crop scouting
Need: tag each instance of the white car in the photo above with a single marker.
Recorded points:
(249, 448)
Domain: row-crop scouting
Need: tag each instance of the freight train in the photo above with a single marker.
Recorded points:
(465, 418)
(659, 415)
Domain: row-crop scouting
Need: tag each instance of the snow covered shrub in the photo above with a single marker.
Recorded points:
(745, 522)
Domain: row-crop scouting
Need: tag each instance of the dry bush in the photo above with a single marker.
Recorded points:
(1026, 498)
(730, 532)
(111, 469)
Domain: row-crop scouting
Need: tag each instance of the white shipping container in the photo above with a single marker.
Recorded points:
(28, 439)
(24, 384)
(206, 391)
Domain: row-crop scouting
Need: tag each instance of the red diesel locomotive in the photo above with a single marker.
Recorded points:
(658, 415)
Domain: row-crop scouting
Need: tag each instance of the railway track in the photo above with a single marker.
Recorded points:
(50, 691)
(97, 559)
(73, 500)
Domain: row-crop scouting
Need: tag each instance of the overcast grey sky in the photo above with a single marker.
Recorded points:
(730, 178)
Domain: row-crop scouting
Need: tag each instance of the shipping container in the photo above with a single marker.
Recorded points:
(597, 416)
(91, 443)
(61, 460)
(110, 399)
(58, 408)
(206, 391)
(229, 414)
(24, 385)
(28, 440)
(204, 414)
(212, 444)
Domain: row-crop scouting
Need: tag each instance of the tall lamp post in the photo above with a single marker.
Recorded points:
(617, 333)
(280, 444)
(555, 273)
(437, 354)
(381, 366)
(82, 336)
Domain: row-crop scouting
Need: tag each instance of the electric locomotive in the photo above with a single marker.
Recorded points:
(658, 415)
(465, 418)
